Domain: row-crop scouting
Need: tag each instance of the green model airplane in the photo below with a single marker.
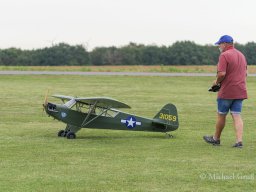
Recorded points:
(102, 113)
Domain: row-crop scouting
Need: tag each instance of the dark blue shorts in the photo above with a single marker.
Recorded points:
(234, 105)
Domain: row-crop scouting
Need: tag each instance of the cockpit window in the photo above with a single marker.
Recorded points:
(86, 108)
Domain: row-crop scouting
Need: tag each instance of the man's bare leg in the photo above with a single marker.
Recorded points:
(239, 126)
(220, 124)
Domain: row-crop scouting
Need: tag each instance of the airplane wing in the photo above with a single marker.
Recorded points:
(103, 102)
(63, 97)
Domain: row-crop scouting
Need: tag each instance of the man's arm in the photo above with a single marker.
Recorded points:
(219, 78)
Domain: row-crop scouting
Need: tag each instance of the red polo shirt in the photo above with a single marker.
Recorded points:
(233, 86)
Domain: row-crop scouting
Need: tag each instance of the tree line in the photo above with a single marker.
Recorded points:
(179, 53)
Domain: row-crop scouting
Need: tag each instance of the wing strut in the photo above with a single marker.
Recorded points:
(86, 123)
(89, 113)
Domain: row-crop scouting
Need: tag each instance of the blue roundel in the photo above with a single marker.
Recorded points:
(130, 122)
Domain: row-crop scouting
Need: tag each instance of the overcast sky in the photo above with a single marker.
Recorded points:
(31, 24)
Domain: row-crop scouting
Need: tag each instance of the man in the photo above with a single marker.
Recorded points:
(231, 74)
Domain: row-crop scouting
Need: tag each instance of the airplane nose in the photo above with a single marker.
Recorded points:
(51, 107)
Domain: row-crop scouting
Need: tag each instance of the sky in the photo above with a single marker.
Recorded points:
(32, 24)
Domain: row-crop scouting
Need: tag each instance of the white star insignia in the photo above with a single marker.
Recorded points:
(130, 122)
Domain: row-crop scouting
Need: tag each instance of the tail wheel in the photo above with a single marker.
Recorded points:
(71, 135)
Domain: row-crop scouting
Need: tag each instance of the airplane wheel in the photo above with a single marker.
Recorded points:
(71, 135)
(62, 133)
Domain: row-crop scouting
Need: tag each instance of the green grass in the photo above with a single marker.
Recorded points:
(33, 158)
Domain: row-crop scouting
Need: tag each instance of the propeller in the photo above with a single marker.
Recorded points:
(45, 100)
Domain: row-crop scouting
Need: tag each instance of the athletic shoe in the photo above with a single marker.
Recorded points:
(211, 140)
(238, 145)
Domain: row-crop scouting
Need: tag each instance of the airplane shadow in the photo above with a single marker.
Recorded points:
(117, 137)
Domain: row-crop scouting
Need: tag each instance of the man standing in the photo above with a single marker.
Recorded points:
(231, 74)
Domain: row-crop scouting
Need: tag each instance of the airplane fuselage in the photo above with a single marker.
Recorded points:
(120, 121)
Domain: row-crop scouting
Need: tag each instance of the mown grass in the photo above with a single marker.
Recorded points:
(33, 158)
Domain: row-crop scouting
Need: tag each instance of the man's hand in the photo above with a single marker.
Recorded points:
(214, 82)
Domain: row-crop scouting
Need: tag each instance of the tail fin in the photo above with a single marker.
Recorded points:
(167, 118)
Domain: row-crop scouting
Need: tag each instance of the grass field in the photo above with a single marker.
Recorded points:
(33, 158)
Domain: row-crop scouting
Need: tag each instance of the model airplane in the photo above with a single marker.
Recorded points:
(102, 113)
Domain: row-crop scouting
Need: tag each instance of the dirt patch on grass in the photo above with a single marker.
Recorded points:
(124, 68)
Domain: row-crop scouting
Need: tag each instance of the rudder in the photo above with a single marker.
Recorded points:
(167, 116)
